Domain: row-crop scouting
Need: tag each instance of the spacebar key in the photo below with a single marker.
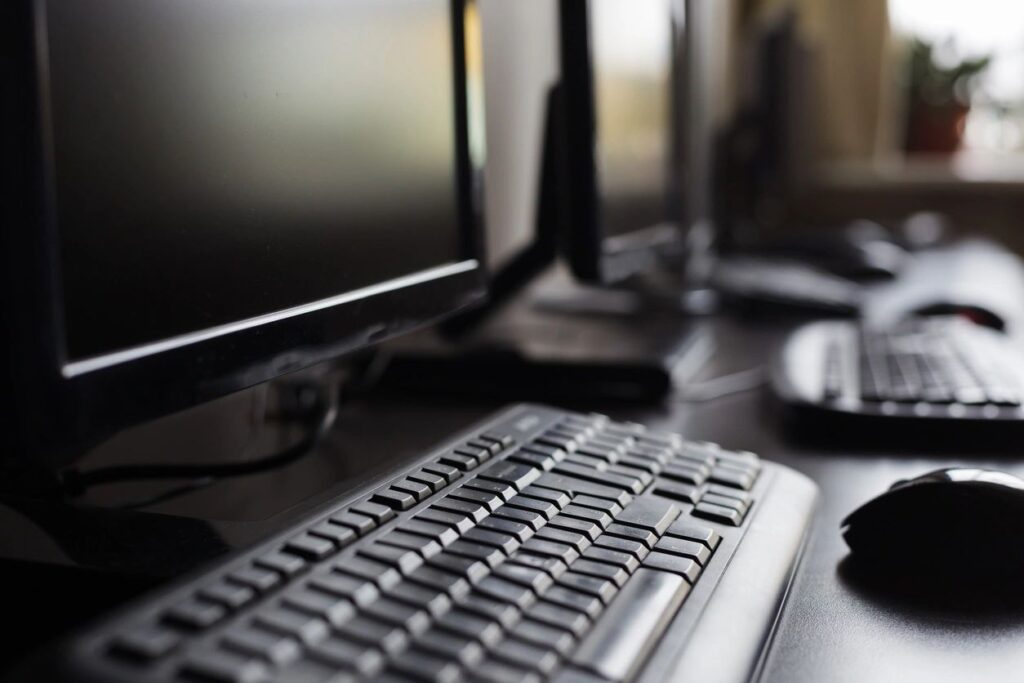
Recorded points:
(630, 628)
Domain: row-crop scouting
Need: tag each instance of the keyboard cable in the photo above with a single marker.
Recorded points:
(724, 385)
(311, 403)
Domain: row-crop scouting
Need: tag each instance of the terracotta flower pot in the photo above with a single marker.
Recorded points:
(936, 129)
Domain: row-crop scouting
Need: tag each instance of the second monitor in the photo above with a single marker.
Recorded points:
(623, 67)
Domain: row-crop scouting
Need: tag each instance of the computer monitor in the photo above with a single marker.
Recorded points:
(623, 79)
(203, 196)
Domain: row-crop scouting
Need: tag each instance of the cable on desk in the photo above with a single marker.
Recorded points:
(724, 385)
(310, 401)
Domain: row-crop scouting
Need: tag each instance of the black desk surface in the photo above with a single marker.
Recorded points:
(832, 629)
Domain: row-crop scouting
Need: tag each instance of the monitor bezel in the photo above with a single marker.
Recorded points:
(585, 244)
(55, 414)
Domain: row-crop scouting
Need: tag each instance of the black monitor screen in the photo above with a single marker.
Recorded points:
(216, 161)
(633, 71)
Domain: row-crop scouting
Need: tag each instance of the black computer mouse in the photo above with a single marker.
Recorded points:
(956, 522)
(976, 313)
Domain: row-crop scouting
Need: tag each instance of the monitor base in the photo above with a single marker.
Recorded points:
(557, 346)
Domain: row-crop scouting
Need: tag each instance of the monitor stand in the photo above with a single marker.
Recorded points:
(557, 342)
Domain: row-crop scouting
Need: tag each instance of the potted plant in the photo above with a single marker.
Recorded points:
(939, 99)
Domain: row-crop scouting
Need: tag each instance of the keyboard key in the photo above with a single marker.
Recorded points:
(425, 666)
(516, 475)
(531, 459)
(684, 474)
(461, 649)
(458, 521)
(435, 481)
(341, 536)
(516, 530)
(422, 545)
(417, 488)
(195, 615)
(538, 546)
(271, 647)
(724, 501)
(491, 447)
(503, 542)
(718, 513)
(381, 574)
(533, 578)
(489, 500)
(433, 600)
(728, 492)
(579, 526)
(579, 487)
(602, 519)
(610, 572)
(350, 656)
(602, 504)
(629, 630)
(694, 550)
(471, 509)
(537, 633)
(470, 568)
(552, 566)
(599, 588)
(375, 511)
(634, 547)
(147, 643)
(303, 627)
(258, 578)
(648, 538)
(503, 440)
(224, 667)
(684, 566)
(489, 555)
(531, 518)
(230, 595)
(684, 493)
(402, 559)
(449, 473)
(558, 498)
(319, 604)
(574, 600)
(526, 655)
(543, 507)
(394, 498)
(411, 619)
(489, 608)
(685, 528)
(608, 479)
(481, 455)
(650, 514)
(621, 559)
(285, 564)
(311, 547)
(439, 533)
(361, 523)
(467, 624)
(357, 591)
(451, 584)
(578, 541)
(501, 489)
(570, 620)
(374, 633)
(492, 670)
(506, 591)
(463, 463)
(734, 478)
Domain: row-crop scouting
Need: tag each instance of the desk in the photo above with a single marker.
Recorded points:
(831, 630)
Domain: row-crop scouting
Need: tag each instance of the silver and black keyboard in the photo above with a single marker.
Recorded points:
(540, 545)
